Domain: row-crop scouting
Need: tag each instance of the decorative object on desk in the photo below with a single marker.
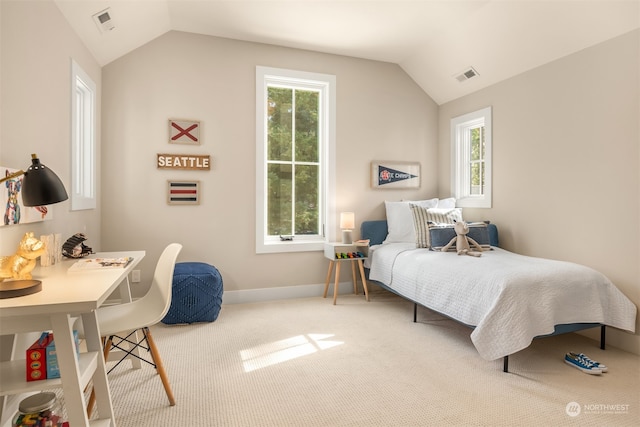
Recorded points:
(53, 251)
(75, 248)
(395, 174)
(100, 263)
(347, 224)
(184, 132)
(19, 266)
(183, 192)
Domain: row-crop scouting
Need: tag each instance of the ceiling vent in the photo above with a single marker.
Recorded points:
(466, 75)
(103, 20)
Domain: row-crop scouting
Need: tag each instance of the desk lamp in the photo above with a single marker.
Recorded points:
(347, 224)
(40, 187)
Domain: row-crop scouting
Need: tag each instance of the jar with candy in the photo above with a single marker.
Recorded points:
(40, 410)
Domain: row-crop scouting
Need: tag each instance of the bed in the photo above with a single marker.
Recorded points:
(506, 298)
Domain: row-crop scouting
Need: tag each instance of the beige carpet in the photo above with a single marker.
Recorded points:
(306, 362)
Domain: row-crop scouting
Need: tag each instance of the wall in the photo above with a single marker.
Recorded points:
(381, 114)
(566, 163)
(36, 49)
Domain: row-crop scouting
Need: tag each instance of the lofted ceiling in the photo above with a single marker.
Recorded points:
(432, 40)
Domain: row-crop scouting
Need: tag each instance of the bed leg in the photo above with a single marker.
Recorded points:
(415, 312)
(505, 366)
(603, 329)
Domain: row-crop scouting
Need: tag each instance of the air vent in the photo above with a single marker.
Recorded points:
(466, 75)
(103, 20)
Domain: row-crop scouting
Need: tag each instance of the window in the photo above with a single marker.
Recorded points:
(295, 139)
(471, 159)
(83, 140)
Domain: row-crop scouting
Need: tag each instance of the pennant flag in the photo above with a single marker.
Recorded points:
(387, 175)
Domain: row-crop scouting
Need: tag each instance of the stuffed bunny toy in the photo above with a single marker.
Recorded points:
(462, 241)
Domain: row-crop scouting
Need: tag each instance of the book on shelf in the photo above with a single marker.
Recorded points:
(100, 263)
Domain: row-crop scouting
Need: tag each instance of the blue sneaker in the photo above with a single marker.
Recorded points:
(584, 357)
(578, 362)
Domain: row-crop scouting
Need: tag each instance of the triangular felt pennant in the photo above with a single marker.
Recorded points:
(387, 175)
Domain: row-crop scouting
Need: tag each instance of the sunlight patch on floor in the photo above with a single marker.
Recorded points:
(276, 352)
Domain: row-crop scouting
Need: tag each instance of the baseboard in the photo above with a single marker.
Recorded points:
(617, 338)
(284, 292)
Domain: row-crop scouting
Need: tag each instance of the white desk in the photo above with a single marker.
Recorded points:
(65, 294)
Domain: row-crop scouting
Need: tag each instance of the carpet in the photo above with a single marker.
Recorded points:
(306, 362)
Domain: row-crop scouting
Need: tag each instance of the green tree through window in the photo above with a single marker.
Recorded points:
(293, 164)
(295, 161)
(471, 140)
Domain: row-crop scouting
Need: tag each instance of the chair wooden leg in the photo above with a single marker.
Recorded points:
(106, 347)
(155, 355)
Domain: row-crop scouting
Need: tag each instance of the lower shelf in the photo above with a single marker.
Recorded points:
(13, 374)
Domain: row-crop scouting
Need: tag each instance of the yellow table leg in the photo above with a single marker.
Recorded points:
(353, 276)
(335, 285)
(364, 280)
(326, 282)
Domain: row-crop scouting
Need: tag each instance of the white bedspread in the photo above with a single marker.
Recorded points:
(509, 298)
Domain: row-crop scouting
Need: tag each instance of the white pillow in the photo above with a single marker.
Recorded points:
(400, 220)
(449, 203)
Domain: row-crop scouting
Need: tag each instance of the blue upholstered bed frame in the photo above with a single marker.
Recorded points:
(376, 231)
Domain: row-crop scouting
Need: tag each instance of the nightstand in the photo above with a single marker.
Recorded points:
(353, 253)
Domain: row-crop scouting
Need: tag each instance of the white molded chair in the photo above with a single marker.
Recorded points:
(137, 316)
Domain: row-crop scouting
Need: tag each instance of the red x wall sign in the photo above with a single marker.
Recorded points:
(184, 132)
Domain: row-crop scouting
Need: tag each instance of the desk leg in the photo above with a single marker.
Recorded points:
(69, 370)
(335, 285)
(364, 279)
(100, 382)
(353, 277)
(326, 282)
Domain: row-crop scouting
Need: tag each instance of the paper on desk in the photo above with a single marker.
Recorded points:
(100, 263)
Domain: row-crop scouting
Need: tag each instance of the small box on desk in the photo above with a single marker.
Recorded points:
(42, 359)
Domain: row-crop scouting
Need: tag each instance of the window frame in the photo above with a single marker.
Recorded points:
(83, 139)
(325, 84)
(460, 159)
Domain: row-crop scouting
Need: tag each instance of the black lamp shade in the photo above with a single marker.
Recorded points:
(41, 186)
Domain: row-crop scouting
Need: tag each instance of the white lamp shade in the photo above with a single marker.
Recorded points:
(347, 221)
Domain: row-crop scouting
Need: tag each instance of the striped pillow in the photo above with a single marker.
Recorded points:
(424, 217)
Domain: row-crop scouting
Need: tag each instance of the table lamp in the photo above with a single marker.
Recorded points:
(347, 224)
(40, 187)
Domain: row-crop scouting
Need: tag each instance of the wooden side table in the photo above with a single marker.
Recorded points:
(332, 251)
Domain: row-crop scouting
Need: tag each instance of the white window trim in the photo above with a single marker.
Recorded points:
(459, 160)
(327, 84)
(83, 140)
